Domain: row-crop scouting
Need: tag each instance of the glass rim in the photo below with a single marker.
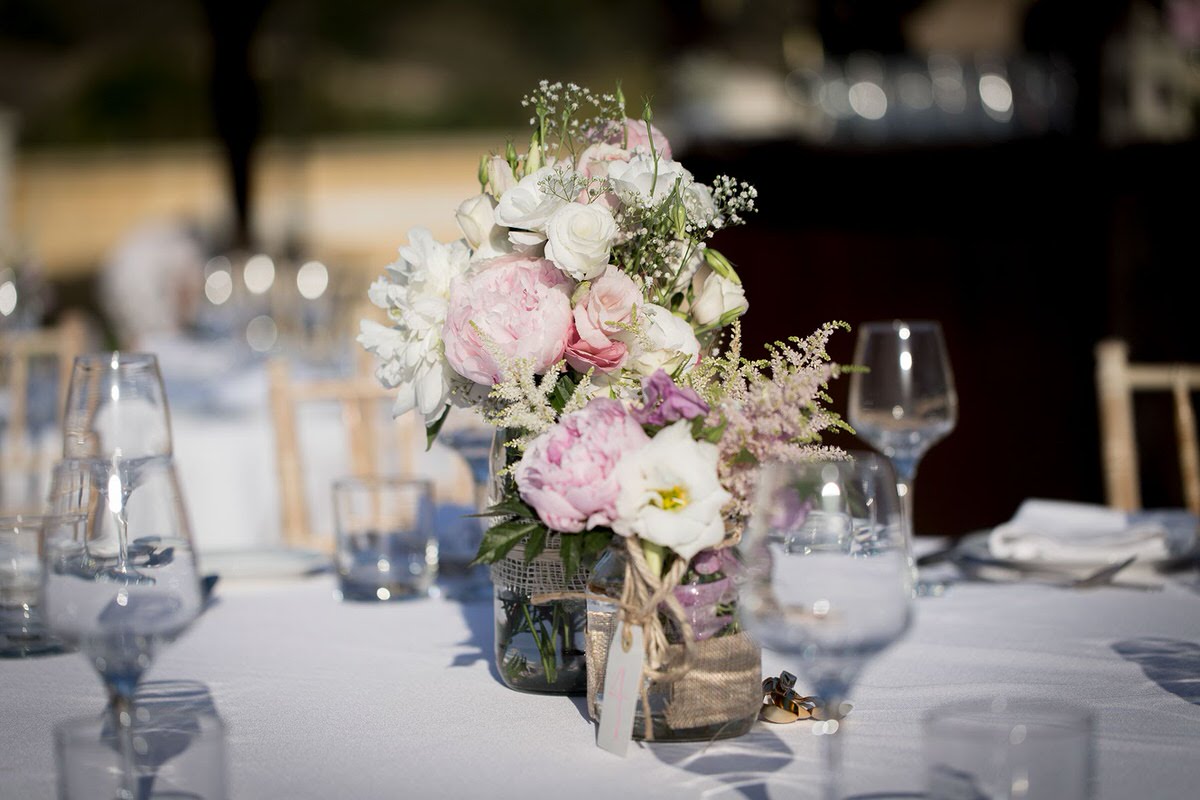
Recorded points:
(1033, 712)
(114, 359)
(892, 324)
(71, 729)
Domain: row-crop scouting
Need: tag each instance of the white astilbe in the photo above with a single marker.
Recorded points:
(772, 409)
(415, 292)
(521, 401)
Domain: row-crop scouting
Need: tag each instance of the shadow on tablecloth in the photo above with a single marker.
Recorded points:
(1171, 663)
(481, 624)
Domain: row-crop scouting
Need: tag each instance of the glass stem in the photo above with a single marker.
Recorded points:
(121, 707)
(831, 751)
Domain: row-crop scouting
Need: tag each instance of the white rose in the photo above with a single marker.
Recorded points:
(666, 342)
(670, 492)
(716, 297)
(579, 239)
(526, 206)
(500, 176)
(477, 219)
(639, 180)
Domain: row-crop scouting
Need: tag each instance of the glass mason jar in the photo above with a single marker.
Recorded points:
(539, 646)
(720, 694)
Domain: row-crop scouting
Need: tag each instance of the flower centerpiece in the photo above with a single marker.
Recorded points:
(586, 316)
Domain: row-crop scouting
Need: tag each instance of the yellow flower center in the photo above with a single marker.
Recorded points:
(673, 498)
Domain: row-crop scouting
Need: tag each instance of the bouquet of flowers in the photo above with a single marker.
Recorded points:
(586, 316)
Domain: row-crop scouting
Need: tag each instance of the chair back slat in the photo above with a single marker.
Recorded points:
(359, 399)
(1117, 380)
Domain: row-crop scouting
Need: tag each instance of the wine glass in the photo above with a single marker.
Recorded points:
(116, 406)
(905, 402)
(120, 579)
(827, 577)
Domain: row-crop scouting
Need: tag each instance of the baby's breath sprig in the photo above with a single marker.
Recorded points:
(568, 115)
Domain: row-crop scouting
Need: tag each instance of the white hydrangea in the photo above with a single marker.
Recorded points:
(415, 292)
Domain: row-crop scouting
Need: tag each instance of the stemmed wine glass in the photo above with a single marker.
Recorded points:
(905, 402)
(120, 579)
(116, 406)
(827, 577)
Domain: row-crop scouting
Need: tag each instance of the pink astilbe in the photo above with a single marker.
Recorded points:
(774, 412)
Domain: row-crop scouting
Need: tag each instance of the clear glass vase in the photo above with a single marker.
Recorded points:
(718, 697)
(540, 646)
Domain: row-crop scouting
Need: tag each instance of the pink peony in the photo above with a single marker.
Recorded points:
(566, 474)
(520, 305)
(599, 317)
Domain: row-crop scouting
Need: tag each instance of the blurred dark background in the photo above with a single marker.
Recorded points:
(1021, 170)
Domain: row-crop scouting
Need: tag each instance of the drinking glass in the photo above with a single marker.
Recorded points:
(1002, 748)
(116, 406)
(179, 751)
(905, 402)
(22, 632)
(386, 547)
(827, 577)
(120, 579)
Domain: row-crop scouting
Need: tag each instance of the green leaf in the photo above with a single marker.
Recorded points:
(595, 541)
(499, 539)
(562, 392)
(432, 431)
(744, 456)
(508, 507)
(535, 545)
(570, 551)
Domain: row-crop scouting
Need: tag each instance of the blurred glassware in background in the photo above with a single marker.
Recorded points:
(386, 545)
(22, 630)
(117, 409)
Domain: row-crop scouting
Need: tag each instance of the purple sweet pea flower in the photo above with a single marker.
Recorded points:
(667, 402)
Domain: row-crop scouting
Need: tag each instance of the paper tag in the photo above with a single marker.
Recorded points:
(622, 685)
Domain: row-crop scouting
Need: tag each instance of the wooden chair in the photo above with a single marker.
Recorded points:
(1117, 381)
(19, 454)
(366, 419)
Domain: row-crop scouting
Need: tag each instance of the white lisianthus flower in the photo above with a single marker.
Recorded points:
(415, 292)
(665, 342)
(698, 200)
(670, 492)
(579, 239)
(642, 182)
(500, 176)
(715, 297)
(526, 206)
(477, 219)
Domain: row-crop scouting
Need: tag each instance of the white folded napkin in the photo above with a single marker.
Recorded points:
(1077, 533)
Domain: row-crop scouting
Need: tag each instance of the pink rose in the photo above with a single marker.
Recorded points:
(567, 473)
(520, 305)
(599, 316)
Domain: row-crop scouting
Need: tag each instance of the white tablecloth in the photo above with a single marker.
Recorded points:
(328, 699)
